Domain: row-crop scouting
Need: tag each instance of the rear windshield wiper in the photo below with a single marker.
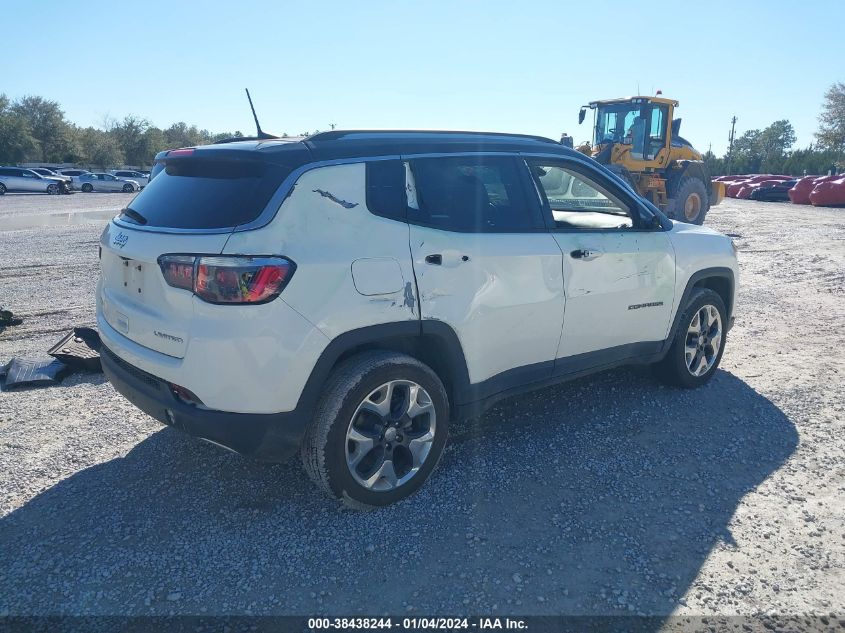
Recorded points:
(134, 215)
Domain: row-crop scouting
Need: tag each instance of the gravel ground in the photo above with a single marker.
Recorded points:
(608, 495)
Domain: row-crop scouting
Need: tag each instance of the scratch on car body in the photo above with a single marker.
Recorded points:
(410, 301)
(335, 199)
(434, 294)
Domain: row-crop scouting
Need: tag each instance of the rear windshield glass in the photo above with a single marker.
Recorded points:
(194, 193)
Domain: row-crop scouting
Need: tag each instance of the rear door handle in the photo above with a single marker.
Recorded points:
(448, 258)
(585, 254)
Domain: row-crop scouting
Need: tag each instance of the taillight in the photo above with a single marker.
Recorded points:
(178, 270)
(228, 279)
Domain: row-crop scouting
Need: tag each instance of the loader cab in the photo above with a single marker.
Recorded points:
(633, 131)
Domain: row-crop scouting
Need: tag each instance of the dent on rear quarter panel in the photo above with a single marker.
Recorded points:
(324, 226)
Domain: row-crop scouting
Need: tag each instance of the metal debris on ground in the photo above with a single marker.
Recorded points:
(29, 372)
(80, 349)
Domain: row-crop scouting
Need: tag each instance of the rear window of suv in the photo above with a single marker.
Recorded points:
(200, 193)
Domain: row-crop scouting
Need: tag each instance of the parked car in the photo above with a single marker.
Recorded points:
(126, 174)
(49, 173)
(19, 179)
(106, 182)
(773, 192)
(74, 175)
(266, 297)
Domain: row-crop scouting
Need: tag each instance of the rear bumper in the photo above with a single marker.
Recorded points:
(269, 437)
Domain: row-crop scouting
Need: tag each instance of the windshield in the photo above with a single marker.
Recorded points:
(641, 125)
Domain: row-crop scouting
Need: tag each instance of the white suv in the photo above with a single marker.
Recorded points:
(348, 294)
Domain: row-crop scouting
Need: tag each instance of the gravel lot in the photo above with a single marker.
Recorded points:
(608, 495)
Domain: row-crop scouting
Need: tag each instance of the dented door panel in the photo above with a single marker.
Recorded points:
(621, 293)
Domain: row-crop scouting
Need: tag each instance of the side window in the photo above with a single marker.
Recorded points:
(386, 188)
(578, 202)
(27, 174)
(471, 194)
(657, 133)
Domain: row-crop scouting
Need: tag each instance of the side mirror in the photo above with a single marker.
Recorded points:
(654, 223)
(581, 115)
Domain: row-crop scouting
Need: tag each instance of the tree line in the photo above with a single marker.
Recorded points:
(770, 150)
(35, 130)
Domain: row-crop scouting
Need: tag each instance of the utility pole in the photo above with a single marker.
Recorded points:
(731, 143)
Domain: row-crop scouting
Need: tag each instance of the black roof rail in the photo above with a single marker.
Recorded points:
(333, 135)
(235, 139)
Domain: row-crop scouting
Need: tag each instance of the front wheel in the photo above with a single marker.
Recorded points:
(378, 430)
(690, 202)
(127, 188)
(699, 341)
(2, 188)
(53, 190)
(87, 187)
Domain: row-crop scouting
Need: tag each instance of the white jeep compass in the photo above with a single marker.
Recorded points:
(349, 294)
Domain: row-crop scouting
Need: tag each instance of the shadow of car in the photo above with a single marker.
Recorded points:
(562, 494)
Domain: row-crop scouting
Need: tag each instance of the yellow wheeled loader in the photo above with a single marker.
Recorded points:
(638, 138)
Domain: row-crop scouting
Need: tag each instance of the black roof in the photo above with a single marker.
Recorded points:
(354, 143)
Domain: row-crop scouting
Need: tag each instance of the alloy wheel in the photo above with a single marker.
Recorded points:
(704, 339)
(390, 435)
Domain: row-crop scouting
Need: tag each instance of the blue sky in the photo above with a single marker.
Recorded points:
(517, 66)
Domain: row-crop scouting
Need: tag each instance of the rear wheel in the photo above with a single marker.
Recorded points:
(698, 343)
(378, 430)
(127, 188)
(690, 202)
(2, 188)
(87, 187)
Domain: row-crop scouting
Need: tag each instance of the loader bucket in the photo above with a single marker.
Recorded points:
(717, 192)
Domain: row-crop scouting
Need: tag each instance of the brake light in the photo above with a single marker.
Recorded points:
(178, 270)
(180, 152)
(228, 279)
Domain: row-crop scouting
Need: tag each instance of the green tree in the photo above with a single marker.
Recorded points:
(775, 142)
(182, 135)
(101, 148)
(47, 125)
(16, 142)
(130, 135)
(154, 142)
(831, 133)
(224, 135)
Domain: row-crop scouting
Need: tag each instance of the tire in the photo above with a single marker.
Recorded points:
(674, 369)
(87, 187)
(691, 191)
(330, 450)
(127, 188)
(53, 190)
(2, 188)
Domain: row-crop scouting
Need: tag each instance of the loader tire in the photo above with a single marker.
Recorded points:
(690, 202)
